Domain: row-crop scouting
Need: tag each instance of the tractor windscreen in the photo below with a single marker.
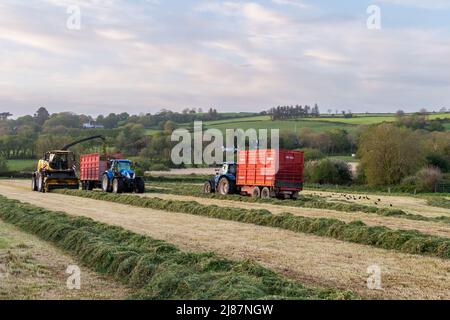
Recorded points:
(123, 166)
(60, 161)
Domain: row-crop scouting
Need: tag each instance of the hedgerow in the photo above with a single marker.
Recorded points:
(156, 269)
(407, 241)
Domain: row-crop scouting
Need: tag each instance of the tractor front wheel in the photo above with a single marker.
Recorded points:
(106, 184)
(208, 187)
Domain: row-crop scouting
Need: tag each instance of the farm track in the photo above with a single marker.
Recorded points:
(434, 228)
(315, 261)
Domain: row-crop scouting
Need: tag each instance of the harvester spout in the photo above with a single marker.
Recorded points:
(66, 147)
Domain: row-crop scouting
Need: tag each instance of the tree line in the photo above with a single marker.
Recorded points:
(294, 112)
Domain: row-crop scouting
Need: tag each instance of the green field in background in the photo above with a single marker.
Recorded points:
(21, 165)
(288, 125)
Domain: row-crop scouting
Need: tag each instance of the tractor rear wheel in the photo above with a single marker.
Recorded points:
(140, 185)
(224, 186)
(106, 184)
(265, 193)
(117, 185)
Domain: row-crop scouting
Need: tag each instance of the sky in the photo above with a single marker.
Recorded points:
(141, 56)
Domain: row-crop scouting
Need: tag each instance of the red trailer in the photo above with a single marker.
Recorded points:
(270, 173)
(261, 173)
(92, 167)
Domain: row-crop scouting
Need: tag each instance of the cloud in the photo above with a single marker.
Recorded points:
(429, 4)
(295, 3)
(234, 55)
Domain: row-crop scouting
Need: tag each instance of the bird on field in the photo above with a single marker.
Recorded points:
(376, 203)
(379, 200)
(391, 205)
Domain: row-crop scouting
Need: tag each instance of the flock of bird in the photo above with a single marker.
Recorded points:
(351, 197)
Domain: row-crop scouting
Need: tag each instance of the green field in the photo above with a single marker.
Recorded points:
(372, 118)
(287, 125)
(21, 165)
(321, 124)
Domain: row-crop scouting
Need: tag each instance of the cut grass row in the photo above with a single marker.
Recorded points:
(407, 241)
(439, 202)
(158, 270)
(312, 202)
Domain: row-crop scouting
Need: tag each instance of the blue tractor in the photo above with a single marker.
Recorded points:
(120, 177)
(224, 182)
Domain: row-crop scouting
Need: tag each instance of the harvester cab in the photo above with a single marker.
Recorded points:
(57, 169)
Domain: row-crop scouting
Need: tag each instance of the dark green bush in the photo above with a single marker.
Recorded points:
(328, 171)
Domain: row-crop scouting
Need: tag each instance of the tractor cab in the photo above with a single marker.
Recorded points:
(122, 168)
(228, 168)
(224, 182)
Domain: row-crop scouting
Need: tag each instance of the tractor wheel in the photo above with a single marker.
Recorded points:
(106, 184)
(256, 192)
(208, 187)
(33, 183)
(224, 187)
(265, 193)
(41, 183)
(140, 185)
(117, 186)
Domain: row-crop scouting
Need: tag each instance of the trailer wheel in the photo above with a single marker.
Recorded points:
(256, 192)
(295, 196)
(41, 183)
(106, 184)
(90, 185)
(117, 186)
(140, 185)
(265, 193)
(33, 183)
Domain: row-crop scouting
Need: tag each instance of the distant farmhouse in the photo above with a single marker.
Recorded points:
(92, 125)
